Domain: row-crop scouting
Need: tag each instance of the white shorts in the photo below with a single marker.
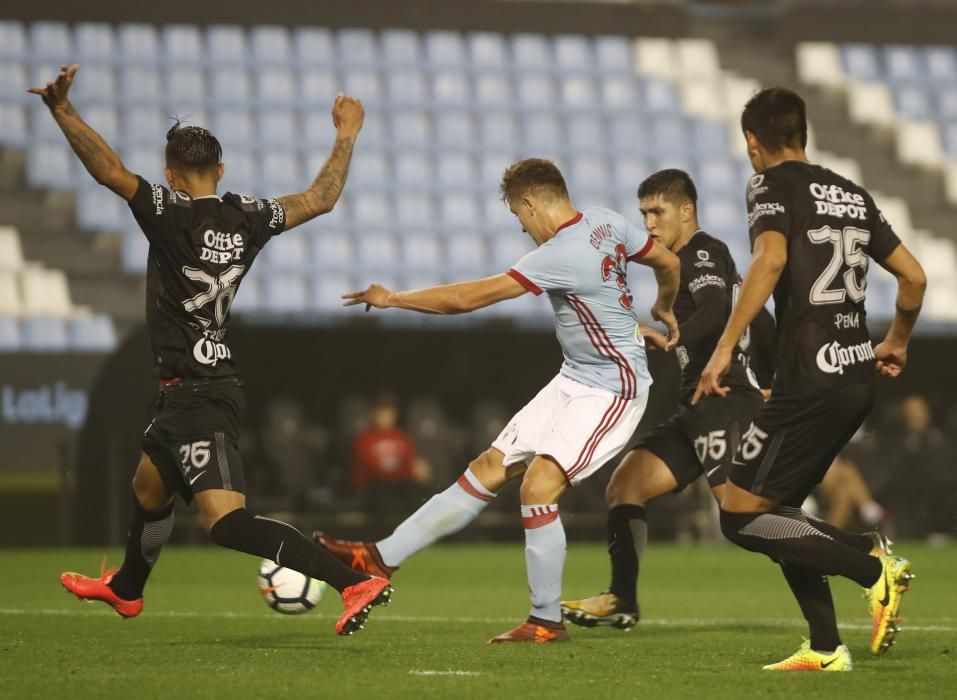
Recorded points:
(578, 426)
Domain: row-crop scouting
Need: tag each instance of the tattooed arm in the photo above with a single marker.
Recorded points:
(97, 157)
(322, 195)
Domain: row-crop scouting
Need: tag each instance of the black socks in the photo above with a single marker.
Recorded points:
(148, 533)
(283, 544)
(627, 538)
(814, 596)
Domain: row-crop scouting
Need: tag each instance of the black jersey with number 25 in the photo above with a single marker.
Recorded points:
(200, 250)
(833, 228)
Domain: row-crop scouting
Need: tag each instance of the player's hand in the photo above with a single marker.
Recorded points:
(55, 93)
(376, 295)
(766, 393)
(347, 115)
(890, 358)
(655, 340)
(667, 317)
(711, 376)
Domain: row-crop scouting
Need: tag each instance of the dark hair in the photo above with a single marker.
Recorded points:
(532, 175)
(777, 117)
(674, 185)
(192, 148)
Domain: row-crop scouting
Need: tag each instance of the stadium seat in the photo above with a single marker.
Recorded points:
(508, 247)
(414, 170)
(371, 169)
(248, 299)
(144, 125)
(585, 133)
(317, 88)
(492, 90)
(363, 81)
(861, 62)
(619, 93)
(94, 43)
(230, 86)
(234, 127)
(870, 103)
(271, 45)
(904, 64)
(332, 251)
(282, 172)
(182, 45)
(371, 209)
(709, 137)
(407, 87)
(498, 132)
(535, 90)
(456, 170)
(573, 54)
(941, 64)
(659, 97)
(13, 41)
(9, 334)
(98, 84)
(92, 333)
(913, 102)
(466, 256)
(43, 127)
(276, 86)
(612, 55)
(718, 176)
(454, 130)
(285, 294)
(919, 143)
(51, 165)
(44, 334)
(10, 302)
(44, 292)
(327, 290)
(589, 173)
(376, 252)
(459, 213)
(697, 57)
(531, 52)
(242, 172)
(578, 92)
(146, 161)
(415, 211)
(655, 57)
(491, 166)
(487, 50)
(497, 216)
(185, 85)
(134, 252)
(450, 88)
(445, 49)
(628, 172)
(946, 107)
(819, 63)
(313, 47)
(288, 252)
(421, 252)
(542, 134)
(13, 78)
(400, 48)
(669, 137)
(277, 127)
(11, 253)
(319, 132)
(141, 85)
(51, 42)
(138, 43)
(226, 45)
(97, 208)
(703, 96)
(358, 47)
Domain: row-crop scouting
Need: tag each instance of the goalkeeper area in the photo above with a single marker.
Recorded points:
(713, 616)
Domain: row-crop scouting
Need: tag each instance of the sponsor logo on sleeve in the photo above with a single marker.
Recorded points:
(278, 219)
(158, 199)
(832, 358)
(756, 186)
(706, 280)
(704, 259)
(764, 209)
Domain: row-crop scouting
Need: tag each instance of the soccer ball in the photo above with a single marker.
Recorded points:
(288, 591)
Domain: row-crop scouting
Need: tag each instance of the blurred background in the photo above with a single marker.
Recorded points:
(354, 419)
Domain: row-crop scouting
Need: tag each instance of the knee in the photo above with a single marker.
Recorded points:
(620, 491)
(543, 483)
(732, 523)
(149, 491)
(226, 529)
(489, 471)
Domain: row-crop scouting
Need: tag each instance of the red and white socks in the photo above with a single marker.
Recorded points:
(442, 515)
(544, 559)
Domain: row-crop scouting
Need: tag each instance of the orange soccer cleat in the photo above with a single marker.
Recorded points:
(360, 556)
(87, 588)
(359, 600)
(533, 631)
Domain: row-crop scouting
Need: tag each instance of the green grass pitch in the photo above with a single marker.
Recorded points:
(713, 616)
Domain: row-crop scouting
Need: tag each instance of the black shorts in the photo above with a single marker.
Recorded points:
(793, 441)
(194, 437)
(702, 439)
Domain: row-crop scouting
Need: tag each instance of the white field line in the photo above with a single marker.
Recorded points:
(657, 622)
(450, 672)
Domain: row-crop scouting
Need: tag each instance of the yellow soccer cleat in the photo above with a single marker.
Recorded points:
(806, 659)
(602, 610)
(882, 544)
(884, 600)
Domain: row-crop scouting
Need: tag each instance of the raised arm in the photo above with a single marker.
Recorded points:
(891, 353)
(322, 195)
(96, 155)
(458, 298)
(667, 270)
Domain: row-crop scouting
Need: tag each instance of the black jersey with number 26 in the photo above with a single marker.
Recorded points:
(200, 249)
(832, 227)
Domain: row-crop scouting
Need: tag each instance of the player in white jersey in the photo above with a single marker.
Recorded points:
(581, 419)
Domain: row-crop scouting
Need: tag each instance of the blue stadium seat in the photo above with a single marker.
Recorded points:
(358, 47)
(97, 208)
(138, 43)
(492, 90)
(947, 103)
(487, 50)
(9, 334)
(97, 85)
(282, 172)
(508, 247)
(861, 62)
(287, 252)
(589, 173)
(134, 252)
(465, 256)
(454, 130)
(578, 92)
(619, 93)
(13, 41)
(43, 127)
(573, 54)
(400, 48)
(535, 90)
(497, 217)
(94, 333)
(723, 216)
(629, 135)
(628, 172)
(13, 126)
(669, 136)
(277, 86)
(371, 169)
(248, 299)
(415, 211)
(230, 86)
(709, 137)
(271, 46)
(941, 64)
(681, 161)
(141, 85)
(94, 42)
(717, 176)
(414, 170)
(542, 132)
(51, 42)
(613, 55)
(277, 127)
(185, 85)
(445, 49)
(531, 52)
(659, 97)
(363, 81)
(586, 133)
(226, 45)
(421, 252)
(318, 87)
(13, 79)
(498, 131)
(146, 161)
(949, 134)
(376, 252)
(318, 131)
(456, 171)
(913, 101)
(285, 294)
(450, 88)
(313, 47)
(44, 334)
(459, 213)
(242, 172)
(144, 125)
(407, 87)
(183, 45)
(904, 64)
(51, 165)
(371, 209)
(234, 127)
(492, 164)
(332, 251)
(411, 129)
(327, 290)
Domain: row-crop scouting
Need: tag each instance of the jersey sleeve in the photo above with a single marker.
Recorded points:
(709, 274)
(151, 209)
(267, 217)
(768, 205)
(542, 270)
(883, 238)
(637, 242)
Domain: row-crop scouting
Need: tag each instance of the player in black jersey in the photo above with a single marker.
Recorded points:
(696, 440)
(201, 246)
(813, 233)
